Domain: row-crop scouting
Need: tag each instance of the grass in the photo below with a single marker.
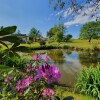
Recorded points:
(73, 43)
(62, 93)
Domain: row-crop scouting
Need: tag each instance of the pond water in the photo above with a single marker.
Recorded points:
(71, 62)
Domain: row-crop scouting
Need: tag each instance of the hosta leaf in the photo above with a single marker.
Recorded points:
(8, 30)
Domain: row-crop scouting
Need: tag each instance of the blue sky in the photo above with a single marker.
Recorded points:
(26, 14)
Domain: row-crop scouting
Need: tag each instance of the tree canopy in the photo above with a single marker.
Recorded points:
(90, 30)
(34, 33)
(57, 32)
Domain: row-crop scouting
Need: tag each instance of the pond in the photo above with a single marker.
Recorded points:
(71, 62)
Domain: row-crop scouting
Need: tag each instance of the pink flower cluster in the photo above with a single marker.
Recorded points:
(49, 73)
(48, 93)
(38, 57)
(7, 79)
(23, 83)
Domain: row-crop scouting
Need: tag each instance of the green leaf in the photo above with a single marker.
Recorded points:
(57, 98)
(12, 39)
(3, 44)
(69, 98)
(20, 48)
(8, 30)
(15, 44)
(26, 91)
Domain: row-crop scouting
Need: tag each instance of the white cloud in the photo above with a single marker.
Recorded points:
(80, 19)
(59, 13)
(67, 13)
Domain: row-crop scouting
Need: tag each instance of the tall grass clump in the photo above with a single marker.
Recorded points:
(88, 82)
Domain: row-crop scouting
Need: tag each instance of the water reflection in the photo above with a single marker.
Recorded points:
(56, 56)
(88, 58)
(70, 62)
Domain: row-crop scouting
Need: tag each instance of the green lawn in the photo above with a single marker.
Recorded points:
(73, 43)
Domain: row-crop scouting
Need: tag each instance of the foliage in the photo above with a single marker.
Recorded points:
(6, 36)
(74, 7)
(95, 47)
(36, 82)
(68, 37)
(42, 43)
(34, 33)
(90, 30)
(88, 82)
(57, 32)
(29, 42)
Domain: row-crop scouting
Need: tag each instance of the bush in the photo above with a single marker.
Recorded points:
(88, 82)
(29, 42)
(36, 82)
(42, 43)
(95, 47)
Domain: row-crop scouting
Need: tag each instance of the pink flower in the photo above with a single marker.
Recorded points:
(7, 79)
(47, 58)
(49, 73)
(48, 93)
(24, 83)
(28, 64)
(29, 69)
(36, 57)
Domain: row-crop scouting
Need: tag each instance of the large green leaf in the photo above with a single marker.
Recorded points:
(8, 30)
(3, 44)
(15, 44)
(20, 48)
(12, 39)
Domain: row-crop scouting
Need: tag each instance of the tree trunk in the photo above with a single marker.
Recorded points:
(89, 40)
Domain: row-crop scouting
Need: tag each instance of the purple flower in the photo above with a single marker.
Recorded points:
(29, 69)
(46, 58)
(36, 57)
(23, 83)
(49, 73)
(48, 93)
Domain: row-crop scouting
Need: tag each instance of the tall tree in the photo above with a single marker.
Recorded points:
(56, 31)
(34, 33)
(90, 30)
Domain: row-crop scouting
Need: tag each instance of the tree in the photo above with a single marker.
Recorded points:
(58, 37)
(57, 32)
(76, 5)
(68, 37)
(34, 33)
(90, 30)
(50, 33)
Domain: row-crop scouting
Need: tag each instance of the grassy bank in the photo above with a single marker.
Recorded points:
(75, 43)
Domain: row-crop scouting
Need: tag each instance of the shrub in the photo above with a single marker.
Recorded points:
(65, 47)
(29, 42)
(36, 82)
(88, 82)
(95, 47)
(42, 43)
